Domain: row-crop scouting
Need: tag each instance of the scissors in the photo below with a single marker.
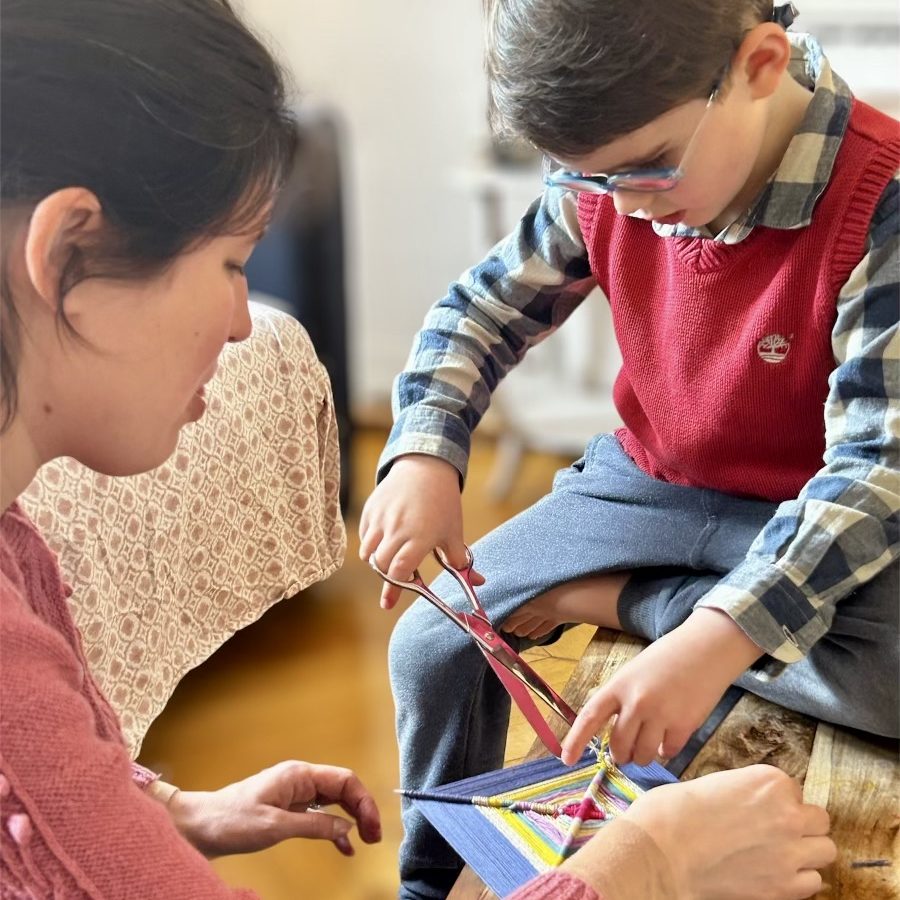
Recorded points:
(514, 673)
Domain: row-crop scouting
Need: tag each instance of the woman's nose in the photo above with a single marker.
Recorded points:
(241, 323)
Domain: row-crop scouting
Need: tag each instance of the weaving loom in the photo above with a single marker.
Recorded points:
(508, 848)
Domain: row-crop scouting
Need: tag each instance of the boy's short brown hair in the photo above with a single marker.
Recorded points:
(573, 75)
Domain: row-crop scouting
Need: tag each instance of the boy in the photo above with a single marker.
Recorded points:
(740, 211)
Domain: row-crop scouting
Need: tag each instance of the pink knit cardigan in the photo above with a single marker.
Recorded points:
(74, 820)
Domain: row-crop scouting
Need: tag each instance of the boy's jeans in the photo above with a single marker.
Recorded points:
(605, 514)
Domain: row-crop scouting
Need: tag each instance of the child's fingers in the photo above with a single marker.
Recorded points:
(393, 558)
(593, 716)
(647, 743)
(455, 552)
(363, 527)
(674, 741)
(389, 596)
(623, 735)
(369, 539)
(404, 559)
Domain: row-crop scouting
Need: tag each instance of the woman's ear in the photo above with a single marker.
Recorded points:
(762, 59)
(62, 224)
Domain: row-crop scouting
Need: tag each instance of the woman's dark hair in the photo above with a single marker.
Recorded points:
(571, 76)
(170, 111)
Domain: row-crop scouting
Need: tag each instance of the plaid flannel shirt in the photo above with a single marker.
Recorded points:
(842, 530)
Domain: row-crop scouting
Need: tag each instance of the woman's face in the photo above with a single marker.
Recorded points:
(117, 399)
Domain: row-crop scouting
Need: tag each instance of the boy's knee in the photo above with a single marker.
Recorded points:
(655, 602)
(424, 643)
(405, 646)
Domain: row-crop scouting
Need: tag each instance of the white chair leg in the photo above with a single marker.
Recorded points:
(507, 458)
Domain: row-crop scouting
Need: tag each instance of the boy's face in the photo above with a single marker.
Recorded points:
(715, 146)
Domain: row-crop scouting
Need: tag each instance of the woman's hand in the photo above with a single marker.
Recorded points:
(416, 508)
(739, 835)
(278, 803)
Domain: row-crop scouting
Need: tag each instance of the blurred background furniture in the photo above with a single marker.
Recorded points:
(299, 266)
(862, 41)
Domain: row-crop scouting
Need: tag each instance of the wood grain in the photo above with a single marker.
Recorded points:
(857, 778)
(757, 731)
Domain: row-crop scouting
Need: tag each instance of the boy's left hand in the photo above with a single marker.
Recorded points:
(663, 695)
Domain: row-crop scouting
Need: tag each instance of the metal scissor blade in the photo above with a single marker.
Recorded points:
(509, 667)
(494, 645)
(519, 693)
(514, 664)
(510, 661)
(417, 586)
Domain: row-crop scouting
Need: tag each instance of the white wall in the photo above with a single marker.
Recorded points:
(406, 76)
(860, 38)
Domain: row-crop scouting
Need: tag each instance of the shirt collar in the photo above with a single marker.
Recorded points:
(790, 196)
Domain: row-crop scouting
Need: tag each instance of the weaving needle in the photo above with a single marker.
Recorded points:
(543, 809)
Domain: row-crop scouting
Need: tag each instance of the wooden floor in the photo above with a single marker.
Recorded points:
(309, 681)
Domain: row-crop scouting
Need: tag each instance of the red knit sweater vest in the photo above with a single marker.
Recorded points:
(727, 348)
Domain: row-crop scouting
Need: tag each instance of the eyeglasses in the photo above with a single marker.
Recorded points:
(644, 181)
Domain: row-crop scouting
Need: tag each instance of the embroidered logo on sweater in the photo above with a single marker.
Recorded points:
(773, 348)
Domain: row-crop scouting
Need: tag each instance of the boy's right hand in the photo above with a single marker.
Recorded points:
(415, 508)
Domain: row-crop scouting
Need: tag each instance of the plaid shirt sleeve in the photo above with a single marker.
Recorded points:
(519, 294)
(843, 528)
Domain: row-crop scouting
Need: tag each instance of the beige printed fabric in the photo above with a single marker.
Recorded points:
(166, 566)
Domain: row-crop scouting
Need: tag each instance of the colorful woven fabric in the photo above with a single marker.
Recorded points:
(507, 848)
(539, 837)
